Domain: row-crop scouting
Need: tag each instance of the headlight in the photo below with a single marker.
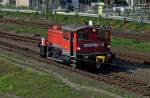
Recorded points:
(78, 48)
(108, 46)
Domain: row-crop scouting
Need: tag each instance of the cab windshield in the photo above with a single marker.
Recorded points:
(90, 35)
(82, 35)
(87, 35)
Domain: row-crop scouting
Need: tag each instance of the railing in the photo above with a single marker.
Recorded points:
(18, 10)
(121, 18)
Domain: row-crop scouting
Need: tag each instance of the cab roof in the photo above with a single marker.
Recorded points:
(74, 27)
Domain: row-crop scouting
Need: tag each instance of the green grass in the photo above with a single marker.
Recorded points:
(15, 58)
(72, 77)
(30, 84)
(21, 15)
(82, 20)
(24, 29)
(116, 42)
(113, 23)
(131, 44)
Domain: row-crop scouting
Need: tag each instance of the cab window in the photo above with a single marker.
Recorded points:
(82, 35)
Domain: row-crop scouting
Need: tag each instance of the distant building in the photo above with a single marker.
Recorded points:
(89, 1)
(36, 3)
(3, 2)
(30, 3)
(12, 2)
(24, 3)
(135, 2)
(69, 4)
(109, 2)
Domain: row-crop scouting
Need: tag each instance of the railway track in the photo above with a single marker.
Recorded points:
(120, 53)
(4, 34)
(115, 32)
(123, 81)
(24, 22)
(131, 35)
(132, 56)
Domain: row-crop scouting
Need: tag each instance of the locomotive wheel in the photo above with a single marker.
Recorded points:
(80, 65)
(73, 65)
(98, 65)
(97, 68)
(43, 56)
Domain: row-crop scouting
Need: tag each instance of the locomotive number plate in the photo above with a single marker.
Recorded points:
(91, 45)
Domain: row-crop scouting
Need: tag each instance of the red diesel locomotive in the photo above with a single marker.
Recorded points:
(78, 45)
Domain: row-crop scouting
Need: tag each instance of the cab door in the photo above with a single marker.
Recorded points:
(71, 44)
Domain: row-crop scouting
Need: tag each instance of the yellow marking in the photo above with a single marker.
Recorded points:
(102, 58)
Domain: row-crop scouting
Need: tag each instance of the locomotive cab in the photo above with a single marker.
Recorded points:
(78, 45)
(93, 46)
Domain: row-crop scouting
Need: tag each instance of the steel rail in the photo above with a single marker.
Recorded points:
(124, 82)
